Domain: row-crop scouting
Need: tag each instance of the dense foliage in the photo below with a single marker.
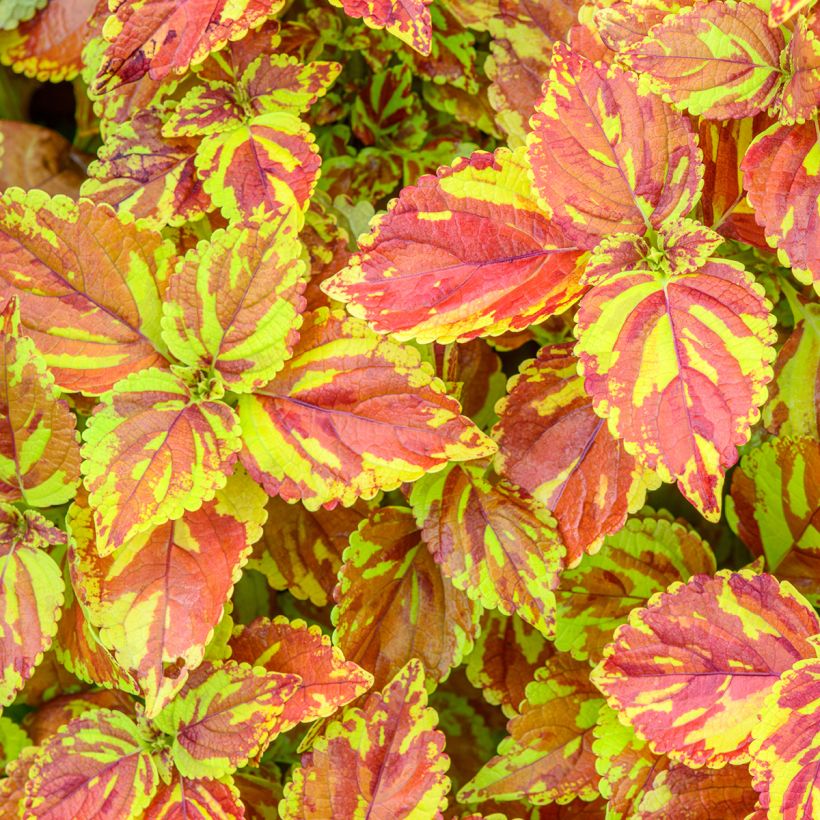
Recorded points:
(409, 409)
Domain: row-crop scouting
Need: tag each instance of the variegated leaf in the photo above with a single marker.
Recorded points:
(31, 594)
(154, 449)
(199, 798)
(390, 748)
(393, 603)
(97, 766)
(409, 20)
(719, 59)
(222, 716)
(157, 599)
(465, 253)
(551, 443)
(547, 756)
(678, 362)
(88, 285)
(644, 558)
(234, 303)
(608, 156)
(350, 414)
(39, 450)
(328, 681)
(690, 672)
(491, 540)
(160, 37)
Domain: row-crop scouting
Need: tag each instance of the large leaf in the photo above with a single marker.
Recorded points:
(157, 599)
(233, 304)
(39, 450)
(160, 37)
(690, 672)
(551, 443)
(145, 175)
(492, 541)
(389, 748)
(507, 653)
(785, 751)
(394, 605)
(49, 46)
(775, 503)
(677, 360)
(719, 59)
(793, 408)
(222, 716)
(547, 756)
(781, 171)
(153, 449)
(608, 156)
(465, 253)
(97, 766)
(328, 681)
(31, 594)
(644, 558)
(409, 20)
(800, 95)
(301, 551)
(350, 414)
(195, 799)
(88, 287)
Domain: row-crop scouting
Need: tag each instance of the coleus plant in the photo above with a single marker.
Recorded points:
(309, 511)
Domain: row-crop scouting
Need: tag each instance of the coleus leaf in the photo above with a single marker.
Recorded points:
(491, 540)
(97, 766)
(39, 450)
(409, 20)
(389, 747)
(160, 37)
(522, 37)
(690, 671)
(350, 414)
(465, 253)
(157, 599)
(49, 45)
(31, 595)
(12, 787)
(640, 784)
(234, 303)
(608, 156)
(718, 59)
(145, 175)
(507, 653)
(88, 286)
(793, 408)
(547, 756)
(676, 355)
(775, 501)
(153, 449)
(222, 716)
(640, 560)
(301, 551)
(800, 95)
(393, 603)
(185, 798)
(328, 681)
(551, 443)
(224, 99)
(781, 171)
(261, 167)
(624, 23)
(785, 751)
(13, 739)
